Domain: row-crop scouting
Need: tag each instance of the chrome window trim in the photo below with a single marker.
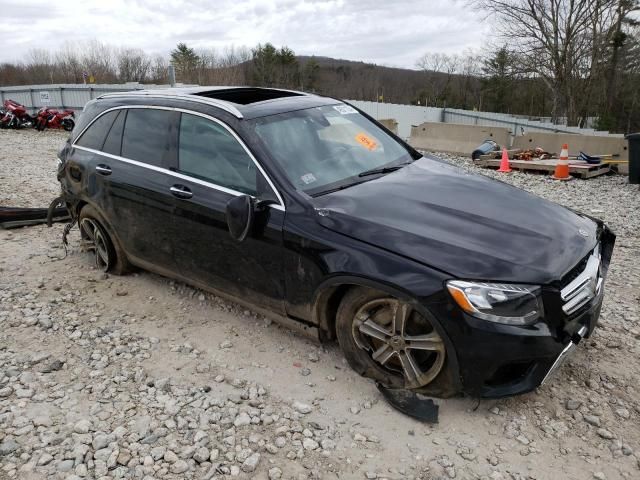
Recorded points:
(189, 98)
(215, 186)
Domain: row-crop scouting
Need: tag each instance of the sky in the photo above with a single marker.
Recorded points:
(385, 32)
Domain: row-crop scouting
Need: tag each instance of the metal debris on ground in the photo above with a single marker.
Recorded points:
(14, 217)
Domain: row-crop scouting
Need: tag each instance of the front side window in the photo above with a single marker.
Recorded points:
(323, 148)
(146, 135)
(208, 151)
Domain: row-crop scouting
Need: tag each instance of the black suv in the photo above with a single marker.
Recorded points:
(309, 210)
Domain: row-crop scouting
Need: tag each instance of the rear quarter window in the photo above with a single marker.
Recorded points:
(113, 142)
(146, 136)
(93, 137)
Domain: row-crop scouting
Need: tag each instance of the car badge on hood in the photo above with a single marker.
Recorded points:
(584, 233)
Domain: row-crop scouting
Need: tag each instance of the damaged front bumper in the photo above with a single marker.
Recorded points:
(497, 360)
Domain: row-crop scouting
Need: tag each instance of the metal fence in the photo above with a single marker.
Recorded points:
(408, 115)
(70, 96)
(76, 96)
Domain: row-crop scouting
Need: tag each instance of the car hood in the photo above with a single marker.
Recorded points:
(466, 225)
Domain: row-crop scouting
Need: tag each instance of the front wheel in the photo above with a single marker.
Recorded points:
(391, 342)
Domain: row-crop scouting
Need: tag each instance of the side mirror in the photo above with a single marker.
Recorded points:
(240, 213)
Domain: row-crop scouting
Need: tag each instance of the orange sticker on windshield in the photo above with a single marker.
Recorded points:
(367, 142)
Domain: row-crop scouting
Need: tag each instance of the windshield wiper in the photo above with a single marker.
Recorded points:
(337, 189)
(376, 171)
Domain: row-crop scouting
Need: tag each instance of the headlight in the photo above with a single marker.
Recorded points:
(498, 302)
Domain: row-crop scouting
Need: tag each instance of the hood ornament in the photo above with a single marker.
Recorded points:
(583, 232)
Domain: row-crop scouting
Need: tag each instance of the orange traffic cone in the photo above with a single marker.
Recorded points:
(504, 163)
(562, 167)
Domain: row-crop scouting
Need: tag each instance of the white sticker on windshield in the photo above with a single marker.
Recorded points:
(308, 178)
(345, 109)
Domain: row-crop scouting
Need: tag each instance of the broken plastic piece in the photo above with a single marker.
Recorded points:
(411, 403)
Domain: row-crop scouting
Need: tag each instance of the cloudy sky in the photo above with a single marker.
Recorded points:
(388, 32)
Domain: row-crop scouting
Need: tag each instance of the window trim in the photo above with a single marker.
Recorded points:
(79, 137)
(279, 206)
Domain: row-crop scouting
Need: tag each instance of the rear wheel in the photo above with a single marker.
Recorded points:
(68, 124)
(388, 340)
(108, 255)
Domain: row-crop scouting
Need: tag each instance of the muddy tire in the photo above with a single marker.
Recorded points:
(108, 255)
(387, 340)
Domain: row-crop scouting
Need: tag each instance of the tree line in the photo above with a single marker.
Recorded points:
(563, 59)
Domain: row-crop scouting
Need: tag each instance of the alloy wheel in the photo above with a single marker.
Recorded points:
(95, 241)
(400, 340)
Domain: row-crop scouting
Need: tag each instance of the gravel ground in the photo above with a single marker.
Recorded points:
(143, 377)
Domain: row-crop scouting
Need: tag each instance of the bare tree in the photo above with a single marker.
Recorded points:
(133, 64)
(68, 61)
(438, 85)
(39, 66)
(98, 61)
(159, 70)
(555, 39)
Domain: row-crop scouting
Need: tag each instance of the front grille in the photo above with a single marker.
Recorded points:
(584, 286)
(574, 272)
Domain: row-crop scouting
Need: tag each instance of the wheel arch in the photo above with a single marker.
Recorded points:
(102, 219)
(330, 293)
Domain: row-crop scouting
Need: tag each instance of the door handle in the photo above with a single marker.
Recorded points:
(103, 169)
(181, 191)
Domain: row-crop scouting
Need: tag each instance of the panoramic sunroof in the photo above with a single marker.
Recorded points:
(245, 96)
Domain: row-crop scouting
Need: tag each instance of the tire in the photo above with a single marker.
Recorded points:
(414, 357)
(68, 124)
(108, 254)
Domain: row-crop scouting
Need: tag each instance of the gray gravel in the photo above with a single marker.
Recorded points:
(142, 377)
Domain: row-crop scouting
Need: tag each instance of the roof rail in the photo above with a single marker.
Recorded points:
(190, 98)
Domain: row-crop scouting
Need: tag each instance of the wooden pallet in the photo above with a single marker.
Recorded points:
(582, 170)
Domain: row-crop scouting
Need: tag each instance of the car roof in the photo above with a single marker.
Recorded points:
(242, 102)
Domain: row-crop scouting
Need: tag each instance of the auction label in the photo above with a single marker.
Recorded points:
(366, 141)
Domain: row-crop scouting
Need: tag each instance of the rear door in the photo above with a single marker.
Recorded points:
(214, 166)
(129, 182)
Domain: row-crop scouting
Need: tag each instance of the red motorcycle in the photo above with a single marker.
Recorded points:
(52, 118)
(14, 115)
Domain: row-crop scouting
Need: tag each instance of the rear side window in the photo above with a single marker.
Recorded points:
(146, 135)
(94, 136)
(208, 151)
(114, 138)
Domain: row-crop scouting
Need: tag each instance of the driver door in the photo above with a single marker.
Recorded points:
(214, 167)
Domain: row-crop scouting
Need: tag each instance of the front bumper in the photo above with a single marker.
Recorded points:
(497, 360)
(502, 360)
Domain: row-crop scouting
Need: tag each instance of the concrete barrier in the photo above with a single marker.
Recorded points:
(590, 144)
(463, 139)
(455, 138)
(391, 124)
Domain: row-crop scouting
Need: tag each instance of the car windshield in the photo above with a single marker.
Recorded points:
(326, 148)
